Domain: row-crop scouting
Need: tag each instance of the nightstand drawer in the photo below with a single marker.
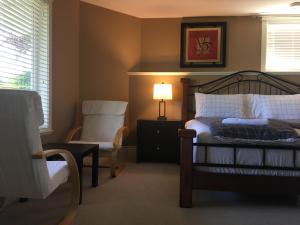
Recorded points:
(159, 146)
(154, 131)
(157, 141)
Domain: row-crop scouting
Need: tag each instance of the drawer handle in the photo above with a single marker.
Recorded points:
(158, 131)
(157, 148)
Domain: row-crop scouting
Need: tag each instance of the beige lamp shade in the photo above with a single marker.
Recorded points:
(162, 91)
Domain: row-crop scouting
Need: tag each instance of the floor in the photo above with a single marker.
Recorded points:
(147, 194)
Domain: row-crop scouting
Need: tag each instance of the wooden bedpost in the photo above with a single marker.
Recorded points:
(185, 97)
(186, 166)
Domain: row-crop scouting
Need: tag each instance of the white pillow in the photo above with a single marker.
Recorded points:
(255, 109)
(210, 105)
(284, 107)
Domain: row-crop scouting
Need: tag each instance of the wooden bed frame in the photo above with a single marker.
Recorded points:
(242, 82)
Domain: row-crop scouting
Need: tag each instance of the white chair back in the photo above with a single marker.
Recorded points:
(102, 119)
(20, 117)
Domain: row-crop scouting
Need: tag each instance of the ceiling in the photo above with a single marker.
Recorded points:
(192, 8)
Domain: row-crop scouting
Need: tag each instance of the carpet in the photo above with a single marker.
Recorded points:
(147, 194)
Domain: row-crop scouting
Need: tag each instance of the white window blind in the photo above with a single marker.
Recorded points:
(24, 48)
(281, 44)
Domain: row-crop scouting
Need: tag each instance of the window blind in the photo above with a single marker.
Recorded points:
(24, 48)
(282, 44)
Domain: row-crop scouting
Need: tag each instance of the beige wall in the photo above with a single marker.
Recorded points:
(112, 43)
(161, 43)
(65, 69)
(160, 40)
(160, 51)
(110, 46)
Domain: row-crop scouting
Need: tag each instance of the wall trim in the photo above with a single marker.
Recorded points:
(176, 73)
(222, 73)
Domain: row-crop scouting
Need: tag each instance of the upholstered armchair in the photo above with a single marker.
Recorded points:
(24, 170)
(103, 124)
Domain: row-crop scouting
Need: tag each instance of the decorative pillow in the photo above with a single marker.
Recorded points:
(210, 105)
(282, 107)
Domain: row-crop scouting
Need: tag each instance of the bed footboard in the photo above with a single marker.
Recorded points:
(186, 166)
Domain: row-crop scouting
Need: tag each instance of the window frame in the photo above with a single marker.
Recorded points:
(49, 129)
(263, 45)
(37, 81)
(264, 21)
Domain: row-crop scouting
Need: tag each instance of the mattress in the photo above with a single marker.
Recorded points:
(244, 156)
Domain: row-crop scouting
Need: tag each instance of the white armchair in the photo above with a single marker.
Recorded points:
(103, 124)
(24, 171)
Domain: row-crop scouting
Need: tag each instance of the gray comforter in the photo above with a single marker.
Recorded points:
(275, 130)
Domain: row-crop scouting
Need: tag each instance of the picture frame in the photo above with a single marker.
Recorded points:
(203, 44)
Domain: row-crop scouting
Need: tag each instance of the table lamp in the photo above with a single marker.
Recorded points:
(162, 92)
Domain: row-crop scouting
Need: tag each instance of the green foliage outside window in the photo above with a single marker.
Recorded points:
(21, 81)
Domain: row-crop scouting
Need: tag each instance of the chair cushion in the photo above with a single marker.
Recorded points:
(93, 107)
(101, 120)
(58, 173)
(107, 146)
(100, 128)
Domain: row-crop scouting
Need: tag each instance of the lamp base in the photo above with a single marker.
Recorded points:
(161, 118)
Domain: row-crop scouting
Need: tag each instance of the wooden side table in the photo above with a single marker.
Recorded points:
(157, 141)
(79, 151)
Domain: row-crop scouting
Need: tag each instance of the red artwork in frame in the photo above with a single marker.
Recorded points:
(203, 44)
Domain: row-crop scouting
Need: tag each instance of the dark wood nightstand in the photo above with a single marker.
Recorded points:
(157, 141)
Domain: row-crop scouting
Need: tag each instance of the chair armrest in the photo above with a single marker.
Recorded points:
(74, 178)
(72, 133)
(118, 137)
(74, 174)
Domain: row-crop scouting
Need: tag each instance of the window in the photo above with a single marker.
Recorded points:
(281, 44)
(24, 49)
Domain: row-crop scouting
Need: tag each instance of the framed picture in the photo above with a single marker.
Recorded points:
(203, 44)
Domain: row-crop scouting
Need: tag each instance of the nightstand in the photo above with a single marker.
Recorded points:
(157, 140)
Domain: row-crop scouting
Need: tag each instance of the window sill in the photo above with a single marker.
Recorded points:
(46, 131)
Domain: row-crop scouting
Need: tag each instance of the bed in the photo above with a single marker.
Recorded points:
(239, 165)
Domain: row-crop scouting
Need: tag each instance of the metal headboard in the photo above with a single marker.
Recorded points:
(242, 82)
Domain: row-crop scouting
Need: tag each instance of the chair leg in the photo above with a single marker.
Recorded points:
(113, 163)
(75, 182)
(113, 171)
(71, 214)
(68, 219)
(298, 200)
